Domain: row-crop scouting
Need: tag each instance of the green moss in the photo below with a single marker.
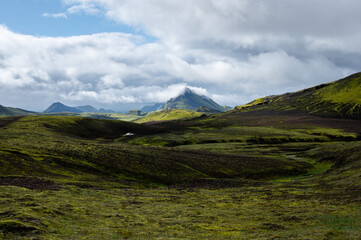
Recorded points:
(169, 114)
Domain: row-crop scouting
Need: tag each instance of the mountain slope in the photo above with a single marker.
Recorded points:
(91, 109)
(191, 101)
(4, 111)
(152, 108)
(87, 108)
(59, 107)
(340, 99)
(9, 111)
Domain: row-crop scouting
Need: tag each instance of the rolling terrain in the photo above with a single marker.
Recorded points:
(341, 99)
(169, 114)
(272, 169)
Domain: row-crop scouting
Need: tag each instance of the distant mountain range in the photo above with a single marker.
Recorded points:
(340, 99)
(153, 108)
(187, 100)
(59, 107)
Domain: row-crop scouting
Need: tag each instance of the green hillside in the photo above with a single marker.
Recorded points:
(136, 113)
(341, 99)
(9, 111)
(261, 177)
(169, 114)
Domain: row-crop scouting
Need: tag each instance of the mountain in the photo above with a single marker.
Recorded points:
(91, 109)
(102, 110)
(153, 108)
(187, 100)
(4, 111)
(191, 101)
(87, 108)
(59, 107)
(341, 99)
(9, 111)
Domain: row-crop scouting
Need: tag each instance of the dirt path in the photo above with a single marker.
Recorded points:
(6, 121)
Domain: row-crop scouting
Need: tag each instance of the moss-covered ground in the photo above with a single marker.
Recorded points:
(209, 178)
(168, 114)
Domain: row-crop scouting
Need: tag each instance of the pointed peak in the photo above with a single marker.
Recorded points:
(187, 90)
(57, 103)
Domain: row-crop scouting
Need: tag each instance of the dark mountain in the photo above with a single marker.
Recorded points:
(102, 110)
(59, 107)
(91, 109)
(4, 111)
(9, 111)
(153, 108)
(191, 101)
(341, 99)
(88, 108)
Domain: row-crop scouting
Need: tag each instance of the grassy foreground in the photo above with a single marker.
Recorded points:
(76, 178)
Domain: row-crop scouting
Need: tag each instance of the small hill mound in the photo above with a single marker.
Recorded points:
(136, 113)
(169, 114)
(341, 99)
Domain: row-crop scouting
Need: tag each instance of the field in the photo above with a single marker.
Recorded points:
(236, 175)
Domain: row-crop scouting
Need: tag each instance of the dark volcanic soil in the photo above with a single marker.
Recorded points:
(30, 183)
(8, 120)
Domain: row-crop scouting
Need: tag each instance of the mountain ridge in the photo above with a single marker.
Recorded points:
(10, 111)
(187, 100)
(340, 99)
(60, 107)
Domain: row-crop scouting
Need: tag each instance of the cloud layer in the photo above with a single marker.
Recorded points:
(232, 50)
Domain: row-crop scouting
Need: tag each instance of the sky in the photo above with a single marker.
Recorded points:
(124, 54)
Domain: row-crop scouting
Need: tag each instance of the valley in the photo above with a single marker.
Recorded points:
(258, 171)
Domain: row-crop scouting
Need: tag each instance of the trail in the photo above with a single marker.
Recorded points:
(6, 121)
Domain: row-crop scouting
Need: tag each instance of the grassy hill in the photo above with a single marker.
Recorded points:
(340, 99)
(169, 114)
(9, 111)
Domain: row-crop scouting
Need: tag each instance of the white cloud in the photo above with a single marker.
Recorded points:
(231, 50)
(55, 15)
(90, 9)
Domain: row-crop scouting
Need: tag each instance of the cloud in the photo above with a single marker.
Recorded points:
(232, 50)
(90, 9)
(55, 15)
